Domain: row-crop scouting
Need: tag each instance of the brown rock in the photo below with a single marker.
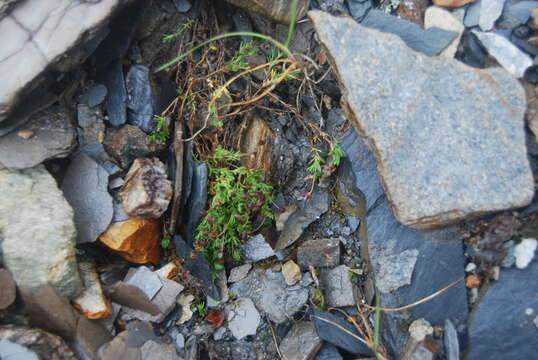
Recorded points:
(129, 143)
(413, 10)
(319, 253)
(45, 345)
(168, 271)
(472, 281)
(452, 3)
(277, 10)
(8, 291)
(91, 303)
(131, 296)
(146, 192)
(257, 145)
(136, 240)
(88, 338)
(301, 342)
(118, 349)
(532, 107)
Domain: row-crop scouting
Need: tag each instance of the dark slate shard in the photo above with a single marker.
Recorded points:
(116, 104)
(91, 45)
(328, 328)
(197, 201)
(504, 325)
(140, 98)
(198, 266)
(188, 170)
(328, 352)
(430, 41)
(182, 6)
(359, 8)
(139, 332)
(85, 186)
(242, 23)
(94, 96)
(472, 53)
(440, 258)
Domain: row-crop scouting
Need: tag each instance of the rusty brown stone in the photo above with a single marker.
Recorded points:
(452, 3)
(8, 291)
(129, 143)
(136, 240)
(472, 281)
(257, 144)
(413, 10)
(91, 302)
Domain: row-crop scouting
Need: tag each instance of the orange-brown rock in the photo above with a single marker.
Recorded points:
(136, 240)
(91, 302)
(472, 282)
(168, 271)
(452, 3)
(257, 144)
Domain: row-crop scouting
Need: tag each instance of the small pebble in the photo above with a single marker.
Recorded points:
(25, 134)
(472, 282)
(473, 295)
(524, 252)
(470, 267)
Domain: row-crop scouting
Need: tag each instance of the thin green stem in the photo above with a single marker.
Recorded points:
(222, 36)
(293, 21)
(377, 326)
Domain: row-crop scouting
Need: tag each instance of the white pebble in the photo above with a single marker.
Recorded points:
(524, 252)
(470, 267)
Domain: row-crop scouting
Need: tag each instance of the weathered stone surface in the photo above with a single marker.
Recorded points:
(484, 13)
(413, 127)
(358, 8)
(94, 96)
(85, 186)
(14, 351)
(319, 253)
(301, 342)
(117, 348)
(328, 352)
(440, 255)
(92, 128)
(516, 13)
(131, 296)
(146, 192)
(154, 350)
(292, 272)
(309, 211)
(277, 10)
(140, 99)
(36, 223)
(413, 10)
(91, 302)
(44, 344)
(51, 135)
(507, 54)
(501, 315)
(451, 341)
(97, 152)
(257, 249)
(116, 104)
(257, 145)
(524, 252)
(144, 279)
(8, 290)
(430, 41)
(136, 240)
(31, 26)
(239, 273)
(451, 3)
(129, 143)
(395, 270)
(270, 294)
(443, 19)
(243, 318)
(338, 288)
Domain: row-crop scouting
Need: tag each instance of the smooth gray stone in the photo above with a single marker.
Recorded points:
(472, 14)
(516, 13)
(94, 96)
(116, 104)
(358, 8)
(243, 318)
(338, 288)
(85, 187)
(503, 325)
(257, 249)
(328, 352)
(13, 351)
(146, 280)
(490, 11)
(182, 6)
(97, 152)
(140, 98)
(430, 41)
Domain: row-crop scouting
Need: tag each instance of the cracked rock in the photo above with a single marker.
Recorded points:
(324, 253)
(301, 342)
(338, 288)
(257, 249)
(243, 318)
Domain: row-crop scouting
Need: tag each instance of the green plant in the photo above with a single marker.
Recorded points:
(165, 242)
(315, 168)
(182, 28)
(161, 133)
(240, 200)
(325, 160)
(200, 307)
(275, 69)
(239, 61)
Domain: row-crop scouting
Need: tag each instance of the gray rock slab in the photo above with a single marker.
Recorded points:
(503, 324)
(490, 11)
(337, 287)
(444, 19)
(301, 342)
(85, 186)
(451, 341)
(155, 350)
(52, 136)
(257, 249)
(239, 273)
(37, 225)
(516, 13)
(507, 54)
(322, 253)
(309, 211)
(434, 159)
(358, 9)
(197, 201)
(14, 351)
(116, 103)
(271, 295)
(140, 98)
(440, 256)
(243, 318)
(429, 42)
(144, 279)
(65, 22)
(328, 352)
(94, 96)
(395, 270)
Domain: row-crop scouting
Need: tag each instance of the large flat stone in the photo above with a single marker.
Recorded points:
(39, 33)
(435, 125)
(37, 225)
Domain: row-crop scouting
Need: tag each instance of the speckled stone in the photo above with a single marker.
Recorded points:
(439, 165)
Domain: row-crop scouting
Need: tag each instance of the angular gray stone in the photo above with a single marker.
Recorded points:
(503, 325)
(472, 14)
(516, 13)
(440, 255)
(319, 253)
(116, 104)
(430, 41)
(395, 270)
(257, 249)
(309, 211)
(301, 342)
(435, 160)
(507, 54)
(358, 8)
(37, 225)
(31, 26)
(490, 11)
(85, 186)
(140, 98)
(239, 273)
(144, 279)
(154, 350)
(94, 96)
(14, 351)
(337, 287)
(243, 318)
(52, 135)
(443, 19)
(271, 295)
(328, 352)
